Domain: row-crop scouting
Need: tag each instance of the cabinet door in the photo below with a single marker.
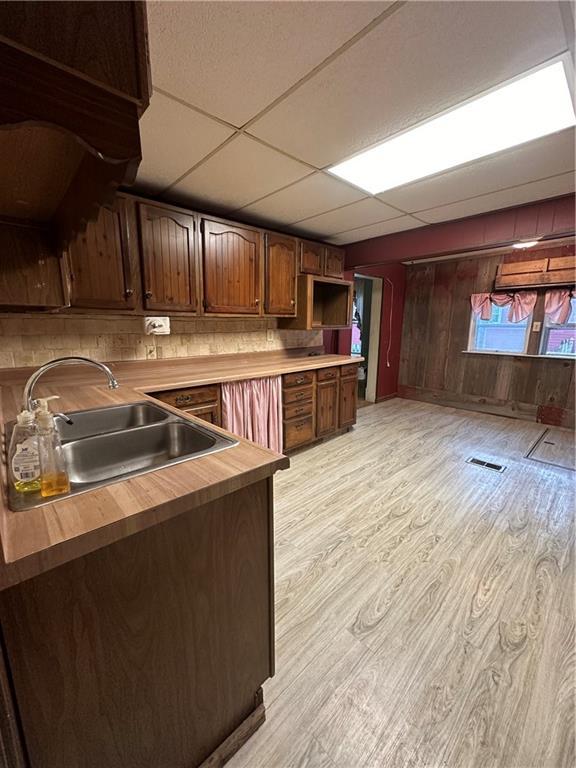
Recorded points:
(348, 395)
(311, 258)
(231, 269)
(326, 407)
(100, 271)
(334, 262)
(168, 258)
(280, 275)
(29, 268)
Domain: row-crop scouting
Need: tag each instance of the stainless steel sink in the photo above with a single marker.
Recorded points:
(98, 459)
(106, 445)
(99, 421)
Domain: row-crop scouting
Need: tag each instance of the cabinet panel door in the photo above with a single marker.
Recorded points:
(280, 275)
(100, 270)
(311, 258)
(348, 395)
(334, 262)
(231, 269)
(168, 257)
(327, 407)
(29, 268)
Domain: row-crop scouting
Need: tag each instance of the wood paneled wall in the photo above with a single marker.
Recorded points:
(434, 368)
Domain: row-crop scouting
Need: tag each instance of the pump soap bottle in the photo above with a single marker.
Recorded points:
(53, 474)
(23, 457)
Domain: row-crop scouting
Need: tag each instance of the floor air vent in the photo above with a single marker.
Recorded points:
(486, 464)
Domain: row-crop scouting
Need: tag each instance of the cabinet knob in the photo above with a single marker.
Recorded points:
(128, 292)
(256, 301)
(148, 295)
(292, 302)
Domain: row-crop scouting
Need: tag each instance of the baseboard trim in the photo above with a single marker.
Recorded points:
(237, 739)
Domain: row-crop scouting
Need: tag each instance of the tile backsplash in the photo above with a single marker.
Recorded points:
(27, 339)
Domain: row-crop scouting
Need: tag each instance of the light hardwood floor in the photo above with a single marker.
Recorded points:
(425, 606)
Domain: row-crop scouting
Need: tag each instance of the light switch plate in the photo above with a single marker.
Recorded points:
(157, 326)
(536, 326)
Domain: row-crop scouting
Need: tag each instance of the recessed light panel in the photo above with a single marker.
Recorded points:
(525, 109)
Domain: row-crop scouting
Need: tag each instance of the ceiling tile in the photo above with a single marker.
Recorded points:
(526, 193)
(242, 171)
(422, 59)
(367, 211)
(376, 230)
(312, 195)
(174, 138)
(232, 59)
(544, 157)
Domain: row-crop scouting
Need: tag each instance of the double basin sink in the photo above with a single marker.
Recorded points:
(105, 445)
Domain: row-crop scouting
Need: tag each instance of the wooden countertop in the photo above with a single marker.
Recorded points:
(36, 540)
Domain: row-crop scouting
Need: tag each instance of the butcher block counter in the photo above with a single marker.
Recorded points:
(137, 618)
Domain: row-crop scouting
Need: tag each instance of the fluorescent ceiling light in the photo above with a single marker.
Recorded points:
(525, 109)
(526, 244)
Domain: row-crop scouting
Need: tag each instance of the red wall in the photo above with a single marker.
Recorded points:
(339, 342)
(543, 219)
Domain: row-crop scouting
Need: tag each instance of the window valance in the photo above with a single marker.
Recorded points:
(557, 304)
(521, 304)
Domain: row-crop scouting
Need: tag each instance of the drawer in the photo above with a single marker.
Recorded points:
(327, 374)
(302, 394)
(298, 432)
(184, 398)
(298, 409)
(347, 371)
(298, 379)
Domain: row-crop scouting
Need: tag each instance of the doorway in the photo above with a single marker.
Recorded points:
(367, 311)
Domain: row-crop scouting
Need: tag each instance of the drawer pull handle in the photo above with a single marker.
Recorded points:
(301, 380)
(181, 399)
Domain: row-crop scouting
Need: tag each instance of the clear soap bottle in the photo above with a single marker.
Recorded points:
(23, 455)
(53, 473)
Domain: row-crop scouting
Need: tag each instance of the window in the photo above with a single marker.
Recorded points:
(498, 334)
(560, 339)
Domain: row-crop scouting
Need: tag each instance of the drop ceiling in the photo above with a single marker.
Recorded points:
(254, 100)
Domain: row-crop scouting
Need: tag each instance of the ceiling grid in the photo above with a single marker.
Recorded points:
(248, 117)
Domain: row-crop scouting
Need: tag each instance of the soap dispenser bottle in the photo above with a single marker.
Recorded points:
(23, 455)
(53, 474)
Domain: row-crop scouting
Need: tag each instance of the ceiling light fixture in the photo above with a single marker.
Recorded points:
(526, 244)
(534, 105)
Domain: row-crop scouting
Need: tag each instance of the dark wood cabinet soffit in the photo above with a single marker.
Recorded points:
(74, 81)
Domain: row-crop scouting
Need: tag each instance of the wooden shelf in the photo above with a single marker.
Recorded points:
(322, 303)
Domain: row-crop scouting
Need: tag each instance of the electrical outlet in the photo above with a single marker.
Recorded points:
(157, 326)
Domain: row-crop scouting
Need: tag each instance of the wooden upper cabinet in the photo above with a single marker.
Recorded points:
(311, 258)
(29, 268)
(280, 275)
(101, 274)
(231, 269)
(168, 259)
(105, 44)
(334, 262)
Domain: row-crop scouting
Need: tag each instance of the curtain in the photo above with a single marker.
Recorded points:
(521, 304)
(253, 409)
(557, 305)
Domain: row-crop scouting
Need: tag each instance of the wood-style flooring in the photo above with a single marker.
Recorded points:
(424, 606)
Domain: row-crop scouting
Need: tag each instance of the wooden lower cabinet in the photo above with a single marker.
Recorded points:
(203, 402)
(348, 401)
(150, 651)
(327, 407)
(318, 403)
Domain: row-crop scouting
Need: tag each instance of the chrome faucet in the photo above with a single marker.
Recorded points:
(30, 403)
